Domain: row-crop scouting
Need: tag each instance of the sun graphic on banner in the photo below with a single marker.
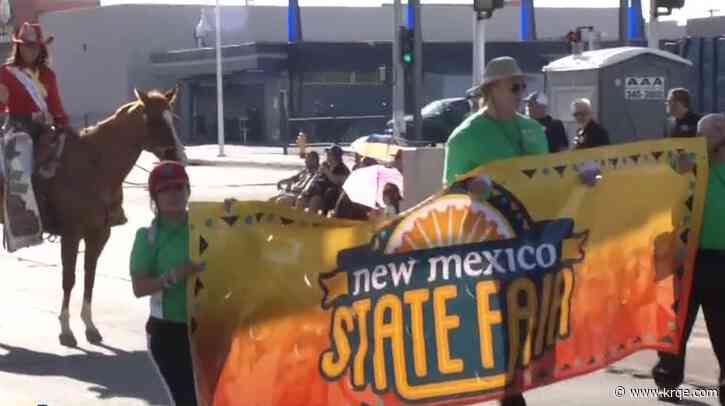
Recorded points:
(451, 220)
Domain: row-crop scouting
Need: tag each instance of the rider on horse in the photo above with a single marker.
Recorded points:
(29, 90)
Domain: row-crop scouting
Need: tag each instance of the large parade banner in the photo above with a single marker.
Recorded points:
(461, 299)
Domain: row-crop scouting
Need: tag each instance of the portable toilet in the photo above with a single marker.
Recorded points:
(627, 86)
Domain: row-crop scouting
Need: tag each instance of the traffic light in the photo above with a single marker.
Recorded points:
(487, 6)
(572, 37)
(407, 46)
(669, 5)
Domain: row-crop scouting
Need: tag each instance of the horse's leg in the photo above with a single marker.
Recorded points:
(69, 253)
(94, 246)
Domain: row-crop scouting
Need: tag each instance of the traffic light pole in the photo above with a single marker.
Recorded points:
(417, 88)
(398, 74)
(653, 40)
(479, 47)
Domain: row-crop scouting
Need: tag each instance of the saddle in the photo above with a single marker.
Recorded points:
(48, 149)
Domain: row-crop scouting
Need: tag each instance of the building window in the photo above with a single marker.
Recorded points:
(343, 78)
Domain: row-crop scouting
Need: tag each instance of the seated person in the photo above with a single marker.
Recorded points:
(392, 198)
(324, 191)
(293, 187)
(347, 209)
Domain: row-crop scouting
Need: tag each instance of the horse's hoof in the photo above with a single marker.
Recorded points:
(93, 336)
(68, 340)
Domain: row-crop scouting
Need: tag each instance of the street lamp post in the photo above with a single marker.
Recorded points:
(219, 81)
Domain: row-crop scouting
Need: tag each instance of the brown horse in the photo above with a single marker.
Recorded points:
(92, 167)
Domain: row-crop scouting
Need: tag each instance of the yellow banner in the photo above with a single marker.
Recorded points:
(462, 297)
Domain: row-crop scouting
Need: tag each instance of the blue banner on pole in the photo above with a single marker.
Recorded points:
(528, 23)
(636, 22)
(294, 22)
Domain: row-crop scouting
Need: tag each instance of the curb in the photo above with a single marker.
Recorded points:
(247, 164)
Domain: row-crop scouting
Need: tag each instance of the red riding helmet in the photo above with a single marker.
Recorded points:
(165, 174)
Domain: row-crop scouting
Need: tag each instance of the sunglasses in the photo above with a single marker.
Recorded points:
(175, 187)
(518, 88)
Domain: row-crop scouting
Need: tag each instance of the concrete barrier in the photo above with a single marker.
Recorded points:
(422, 174)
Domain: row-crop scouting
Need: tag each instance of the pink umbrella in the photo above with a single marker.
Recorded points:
(365, 185)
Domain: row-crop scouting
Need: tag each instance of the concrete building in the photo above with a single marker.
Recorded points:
(342, 68)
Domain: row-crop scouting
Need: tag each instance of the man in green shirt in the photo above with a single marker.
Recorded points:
(497, 131)
(708, 283)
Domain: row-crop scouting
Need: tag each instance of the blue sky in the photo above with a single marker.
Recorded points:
(693, 8)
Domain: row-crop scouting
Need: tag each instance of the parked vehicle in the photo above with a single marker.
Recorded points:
(440, 118)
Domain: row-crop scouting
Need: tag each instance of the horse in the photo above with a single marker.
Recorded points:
(91, 170)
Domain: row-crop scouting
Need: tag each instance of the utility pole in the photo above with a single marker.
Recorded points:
(219, 81)
(623, 22)
(398, 74)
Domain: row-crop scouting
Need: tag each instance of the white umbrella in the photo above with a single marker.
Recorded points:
(365, 185)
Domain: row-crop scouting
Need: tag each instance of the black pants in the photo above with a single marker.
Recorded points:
(170, 350)
(708, 291)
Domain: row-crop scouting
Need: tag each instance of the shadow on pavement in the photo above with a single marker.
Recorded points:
(120, 375)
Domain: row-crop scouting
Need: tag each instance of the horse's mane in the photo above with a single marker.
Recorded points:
(124, 110)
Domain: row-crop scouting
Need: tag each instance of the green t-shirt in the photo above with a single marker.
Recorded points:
(481, 139)
(712, 236)
(169, 249)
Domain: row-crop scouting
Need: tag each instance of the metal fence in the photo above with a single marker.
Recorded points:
(337, 130)
(87, 119)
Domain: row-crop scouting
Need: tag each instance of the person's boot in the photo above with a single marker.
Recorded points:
(513, 400)
(668, 374)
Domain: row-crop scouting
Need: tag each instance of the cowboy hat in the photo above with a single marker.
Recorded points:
(497, 69)
(31, 34)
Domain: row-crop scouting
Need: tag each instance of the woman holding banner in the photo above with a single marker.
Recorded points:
(160, 268)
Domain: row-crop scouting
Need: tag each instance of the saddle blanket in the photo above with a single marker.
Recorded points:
(23, 227)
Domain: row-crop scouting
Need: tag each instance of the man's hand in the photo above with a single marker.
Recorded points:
(589, 173)
(479, 187)
(684, 163)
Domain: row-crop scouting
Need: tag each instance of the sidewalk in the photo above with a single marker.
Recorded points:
(239, 155)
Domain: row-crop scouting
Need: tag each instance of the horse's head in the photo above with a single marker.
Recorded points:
(161, 138)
